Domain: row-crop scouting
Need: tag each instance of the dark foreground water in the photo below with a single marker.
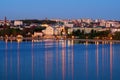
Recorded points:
(59, 60)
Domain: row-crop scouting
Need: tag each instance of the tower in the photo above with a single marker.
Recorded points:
(5, 22)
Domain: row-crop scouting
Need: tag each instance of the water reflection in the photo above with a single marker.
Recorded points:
(103, 54)
(48, 60)
(59, 60)
(70, 54)
(86, 61)
(32, 60)
(63, 60)
(97, 61)
(11, 70)
(111, 61)
(6, 60)
(18, 61)
(72, 61)
(46, 63)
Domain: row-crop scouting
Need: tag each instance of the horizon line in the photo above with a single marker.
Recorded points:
(46, 18)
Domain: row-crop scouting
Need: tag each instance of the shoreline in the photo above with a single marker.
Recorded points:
(39, 39)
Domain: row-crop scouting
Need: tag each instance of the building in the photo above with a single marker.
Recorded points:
(112, 24)
(2, 23)
(102, 23)
(38, 34)
(68, 24)
(49, 31)
(18, 23)
(113, 30)
(57, 30)
(86, 30)
(87, 20)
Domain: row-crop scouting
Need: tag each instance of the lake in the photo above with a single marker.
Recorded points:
(59, 60)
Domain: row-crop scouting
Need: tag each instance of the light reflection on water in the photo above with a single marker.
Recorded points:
(59, 60)
(111, 62)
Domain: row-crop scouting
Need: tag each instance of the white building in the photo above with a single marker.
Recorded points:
(102, 22)
(18, 23)
(57, 31)
(48, 31)
(36, 34)
(87, 20)
(68, 24)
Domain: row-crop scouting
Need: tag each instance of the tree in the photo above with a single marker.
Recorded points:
(116, 36)
(39, 29)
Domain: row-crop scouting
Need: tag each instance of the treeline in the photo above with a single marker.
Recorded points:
(116, 36)
(80, 34)
(38, 21)
(25, 32)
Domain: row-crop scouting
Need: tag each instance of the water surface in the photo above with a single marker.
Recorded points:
(59, 60)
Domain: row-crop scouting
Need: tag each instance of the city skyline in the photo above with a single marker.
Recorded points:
(69, 9)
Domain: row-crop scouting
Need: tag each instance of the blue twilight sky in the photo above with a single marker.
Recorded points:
(72, 9)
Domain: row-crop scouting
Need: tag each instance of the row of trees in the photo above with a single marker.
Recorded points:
(96, 34)
(28, 22)
(26, 32)
(116, 36)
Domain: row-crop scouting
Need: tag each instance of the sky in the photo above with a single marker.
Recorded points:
(62, 9)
